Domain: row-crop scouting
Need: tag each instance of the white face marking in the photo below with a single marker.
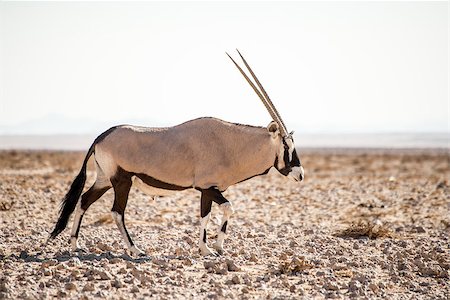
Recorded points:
(297, 173)
(291, 146)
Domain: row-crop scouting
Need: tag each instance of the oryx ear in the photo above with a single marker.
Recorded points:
(274, 129)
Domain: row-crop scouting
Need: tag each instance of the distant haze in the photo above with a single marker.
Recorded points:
(330, 67)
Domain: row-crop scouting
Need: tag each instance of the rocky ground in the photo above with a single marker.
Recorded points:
(364, 224)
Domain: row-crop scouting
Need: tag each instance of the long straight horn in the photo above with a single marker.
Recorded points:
(251, 84)
(266, 101)
(278, 118)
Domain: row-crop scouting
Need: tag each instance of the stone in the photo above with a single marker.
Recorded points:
(88, 287)
(70, 286)
(235, 279)
(117, 283)
(331, 286)
(232, 266)
(104, 275)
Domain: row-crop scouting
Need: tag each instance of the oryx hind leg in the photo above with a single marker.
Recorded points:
(101, 186)
(121, 183)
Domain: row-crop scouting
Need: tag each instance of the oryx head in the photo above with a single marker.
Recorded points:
(287, 161)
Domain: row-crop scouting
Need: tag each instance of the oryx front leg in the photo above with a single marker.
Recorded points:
(205, 212)
(208, 196)
(122, 184)
(227, 211)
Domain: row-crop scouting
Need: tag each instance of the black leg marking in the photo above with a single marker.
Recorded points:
(79, 226)
(92, 195)
(224, 227)
(205, 205)
(89, 197)
(126, 232)
(214, 194)
(204, 235)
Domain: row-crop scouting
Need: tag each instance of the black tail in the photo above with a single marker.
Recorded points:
(70, 201)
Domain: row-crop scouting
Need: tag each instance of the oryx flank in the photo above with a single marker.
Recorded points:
(206, 154)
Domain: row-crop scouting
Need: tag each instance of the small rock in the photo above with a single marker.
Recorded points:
(209, 264)
(235, 279)
(61, 294)
(232, 266)
(74, 262)
(116, 260)
(48, 263)
(135, 289)
(418, 229)
(70, 286)
(104, 275)
(374, 287)
(331, 286)
(117, 284)
(88, 287)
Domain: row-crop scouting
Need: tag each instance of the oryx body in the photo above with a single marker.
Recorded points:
(200, 153)
(207, 154)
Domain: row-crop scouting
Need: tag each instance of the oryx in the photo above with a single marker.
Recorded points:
(207, 154)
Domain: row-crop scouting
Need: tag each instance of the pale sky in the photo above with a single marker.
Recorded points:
(330, 67)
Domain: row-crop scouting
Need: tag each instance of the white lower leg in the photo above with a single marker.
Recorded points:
(118, 219)
(227, 212)
(204, 249)
(76, 224)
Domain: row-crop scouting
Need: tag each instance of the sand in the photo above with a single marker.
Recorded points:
(364, 224)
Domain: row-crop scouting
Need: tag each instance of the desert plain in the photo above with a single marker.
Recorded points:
(372, 224)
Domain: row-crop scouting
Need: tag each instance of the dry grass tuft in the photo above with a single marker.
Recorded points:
(364, 228)
(105, 219)
(6, 206)
(297, 264)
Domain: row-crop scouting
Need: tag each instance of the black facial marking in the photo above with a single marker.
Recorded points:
(224, 227)
(205, 205)
(287, 164)
(204, 236)
(295, 160)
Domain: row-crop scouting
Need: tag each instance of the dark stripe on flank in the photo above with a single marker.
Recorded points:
(160, 184)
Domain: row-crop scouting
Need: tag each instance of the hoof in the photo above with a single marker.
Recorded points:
(218, 248)
(135, 251)
(206, 251)
(80, 250)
